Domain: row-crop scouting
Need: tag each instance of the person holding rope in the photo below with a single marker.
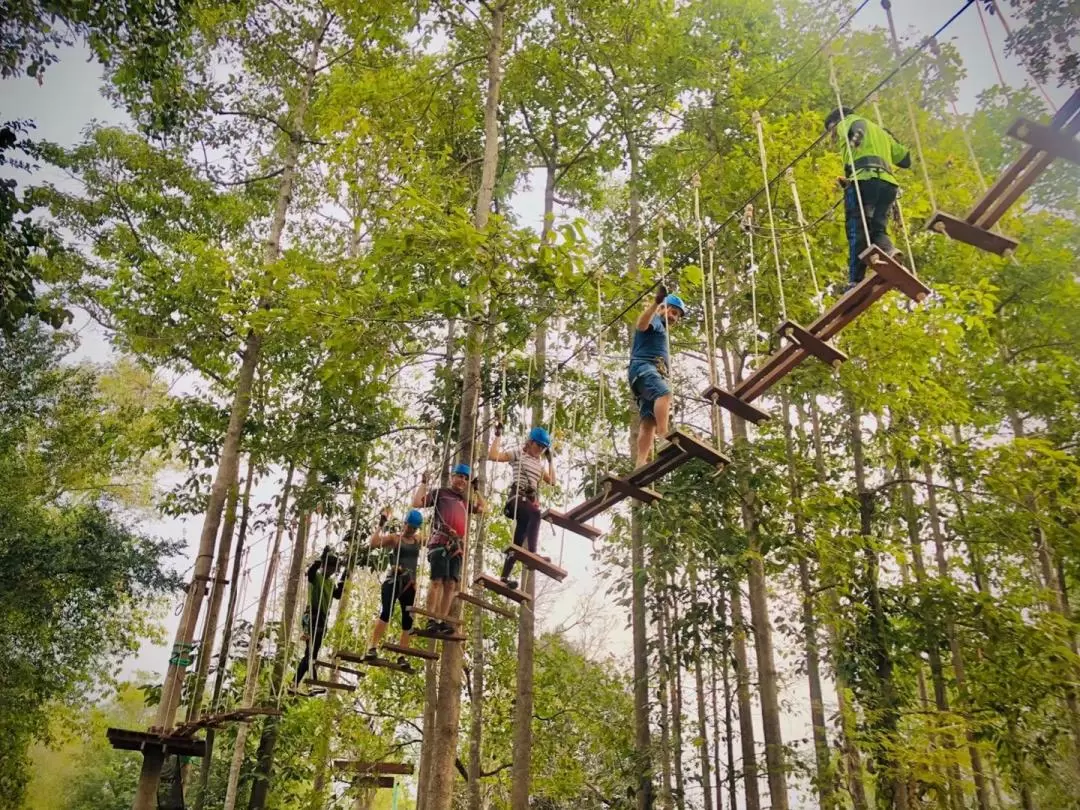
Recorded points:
(869, 152)
(649, 364)
(399, 585)
(523, 505)
(322, 591)
(446, 547)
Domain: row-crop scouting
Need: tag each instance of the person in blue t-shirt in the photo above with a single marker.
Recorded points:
(649, 364)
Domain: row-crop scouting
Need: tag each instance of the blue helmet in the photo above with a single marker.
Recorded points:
(674, 301)
(540, 436)
(414, 519)
(463, 469)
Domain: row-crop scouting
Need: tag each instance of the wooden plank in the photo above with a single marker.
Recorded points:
(963, 231)
(823, 351)
(495, 586)
(847, 306)
(895, 273)
(339, 668)
(537, 563)
(646, 496)
(779, 364)
(1046, 138)
(344, 687)
(232, 716)
(384, 782)
(423, 632)
(669, 457)
(129, 740)
(357, 658)
(566, 522)
(698, 449)
(483, 604)
(417, 611)
(359, 766)
(744, 410)
(416, 652)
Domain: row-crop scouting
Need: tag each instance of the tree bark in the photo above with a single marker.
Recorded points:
(226, 636)
(663, 677)
(822, 778)
(746, 709)
(699, 684)
(251, 676)
(448, 710)
(264, 761)
(476, 709)
(729, 728)
(675, 687)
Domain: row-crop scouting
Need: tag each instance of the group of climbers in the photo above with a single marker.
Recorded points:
(868, 151)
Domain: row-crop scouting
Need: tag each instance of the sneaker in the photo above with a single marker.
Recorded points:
(446, 629)
(512, 584)
(371, 653)
(403, 662)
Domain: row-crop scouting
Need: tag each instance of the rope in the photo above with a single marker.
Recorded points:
(759, 126)
(748, 220)
(847, 149)
(990, 45)
(663, 276)
(900, 208)
(818, 298)
(1030, 75)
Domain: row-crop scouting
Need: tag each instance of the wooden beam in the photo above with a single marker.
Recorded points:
(425, 633)
(416, 652)
(373, 768)
(744, 410)
(339, 668)
(567, 522)
(128, 740)
(616, 484)
(696, 448)
(233, 716)
(963, 231)
(1046, 138)
(383, 782)
(537, 563)
(898, 276)
(822, 350)
(382, 663)
(417, 611)
(483, 604)
(495, 586)
(344, 687)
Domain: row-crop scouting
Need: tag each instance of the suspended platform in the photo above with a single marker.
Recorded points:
(888, 274)
(357, 658)
(220, 719)
(499, 587)
(537, 563)
(483, 604)
(150, 742)
(680, 448)
(1045, 143)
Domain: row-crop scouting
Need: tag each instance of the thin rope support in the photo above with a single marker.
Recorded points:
(848, 151)
(899, 207)
(818, 298)
(1008, 33)
(760, 128)
(748, 219)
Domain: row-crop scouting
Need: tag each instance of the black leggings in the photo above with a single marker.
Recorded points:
(526, 513)
(311, 651)
(404, 592)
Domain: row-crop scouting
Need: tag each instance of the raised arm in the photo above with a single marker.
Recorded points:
(419, 498)
(549, 473)
(495, 451)
(644, 320)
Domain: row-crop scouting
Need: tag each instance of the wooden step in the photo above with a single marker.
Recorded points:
(537, 563)
(416, 652)
(383, 782)
(382, 663)
(127, 740)
(895, 273)
(373, 768)
(339, 668)
(1050, 140)
(344, 687)
(483, 604)
(822, 350)
(416, 611)
(424, 633)
(963, 231)
(744, 410)
(643, 494)
(696, 448)
(564, 521)
(232, 716)
(495, 586)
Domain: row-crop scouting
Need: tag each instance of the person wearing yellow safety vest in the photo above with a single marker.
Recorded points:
(869, 152)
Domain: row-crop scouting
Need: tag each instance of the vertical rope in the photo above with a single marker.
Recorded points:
(990, 45)
(1008, 33)
(899, 208)
(759, 126)
(849, 155)
(748, 225)
(790, 174)
(663, 276)
(599, 367)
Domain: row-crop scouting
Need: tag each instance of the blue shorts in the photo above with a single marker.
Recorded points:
(648, 386)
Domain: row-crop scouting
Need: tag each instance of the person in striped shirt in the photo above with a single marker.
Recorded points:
(523, 504)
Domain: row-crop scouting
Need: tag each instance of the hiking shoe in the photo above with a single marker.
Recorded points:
(371, 653)
(512, 584)
(403, 661)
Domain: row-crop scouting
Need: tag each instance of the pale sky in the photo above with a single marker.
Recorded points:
(69, 99)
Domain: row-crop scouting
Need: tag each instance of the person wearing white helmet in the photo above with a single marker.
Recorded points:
(523, 505)
(399, 585)
(649, 365)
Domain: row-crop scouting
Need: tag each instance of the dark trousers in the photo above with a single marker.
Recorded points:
(403, 591)
(878, 197)
(526, 514)
(311, 651)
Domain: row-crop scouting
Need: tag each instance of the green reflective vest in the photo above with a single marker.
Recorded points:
(870, 151)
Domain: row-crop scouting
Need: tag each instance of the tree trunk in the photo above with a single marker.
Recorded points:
(251, 675)
(675, 687)
(476, 708)
(699, 685)
(663, 677)
(264, 761)
(226, 636)
(713, 690)
(213, 610)
(822, 779)
(448, 710)
(892, 790)
(729, 728)
(746, 710)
